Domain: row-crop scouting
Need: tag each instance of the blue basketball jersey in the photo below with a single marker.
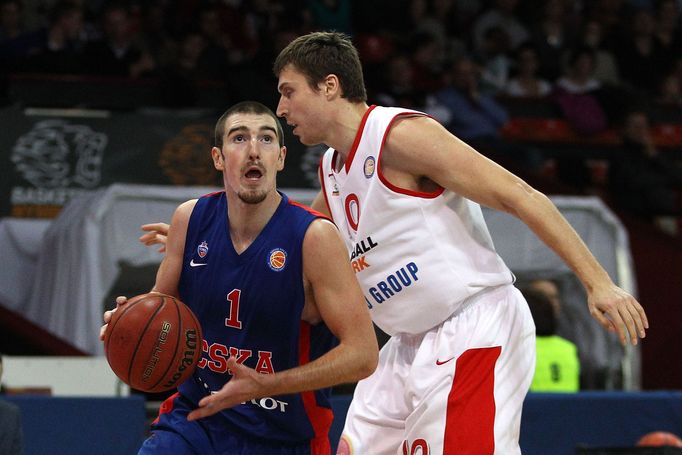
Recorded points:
(250, 307)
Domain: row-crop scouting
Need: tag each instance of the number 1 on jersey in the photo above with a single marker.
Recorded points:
(233, 321)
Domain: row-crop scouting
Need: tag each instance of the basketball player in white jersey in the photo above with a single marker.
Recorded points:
(405, 193)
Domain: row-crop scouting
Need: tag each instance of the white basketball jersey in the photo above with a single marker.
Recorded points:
(417, 256)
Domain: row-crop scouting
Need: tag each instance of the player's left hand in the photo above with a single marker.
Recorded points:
(618, 312)
(245, 385)
(155, 234)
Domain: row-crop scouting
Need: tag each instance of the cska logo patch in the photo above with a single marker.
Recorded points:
(369, 167)
(202, 249)
(277, 259)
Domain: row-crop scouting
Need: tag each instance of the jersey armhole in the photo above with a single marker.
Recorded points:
(384, 180)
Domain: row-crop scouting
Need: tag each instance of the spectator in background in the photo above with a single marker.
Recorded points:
(605, 66)
(62, 43)
(550, 289)
(552, 35)
(577, 93)
(181, 77)
(427, 61)
(477, 118)
(53, 48)
(439, 19)
(502, 15)
(670, 91)
(642, 180)
(557, 366)
(667, 32)
(331, 14)
(494, 60)
(398, 90)
(155, 33)
(117, 52)
(11, 24)
(11, 434)
(640, 58)
(525, 82)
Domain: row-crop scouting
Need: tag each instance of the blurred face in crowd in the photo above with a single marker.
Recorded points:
(465, 74)
(549, 289)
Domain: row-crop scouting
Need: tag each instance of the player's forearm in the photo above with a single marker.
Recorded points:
(545, 220)
(343, 364)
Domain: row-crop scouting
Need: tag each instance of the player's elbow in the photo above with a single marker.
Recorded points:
(368, 359)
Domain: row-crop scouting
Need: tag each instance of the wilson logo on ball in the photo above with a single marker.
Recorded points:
(277, 259)
(189, 354)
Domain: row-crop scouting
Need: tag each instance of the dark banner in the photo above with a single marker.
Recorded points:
(49, 156)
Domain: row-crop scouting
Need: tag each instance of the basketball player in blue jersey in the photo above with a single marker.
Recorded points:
(405, 194)
(282, 315)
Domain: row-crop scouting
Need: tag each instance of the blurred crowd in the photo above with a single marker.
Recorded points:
(411, 48)
(597, 61)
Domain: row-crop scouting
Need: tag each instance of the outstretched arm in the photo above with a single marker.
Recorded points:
(420, 147)
(340, 304)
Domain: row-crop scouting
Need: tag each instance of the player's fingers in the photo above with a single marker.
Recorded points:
(205, 409)
(619, 325)
(602, 320)
(121, 300)
(101, 331)
(638, 316)
(161, 228)
(629, 323)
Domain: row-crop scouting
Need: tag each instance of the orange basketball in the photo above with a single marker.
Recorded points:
(153, 342)
(659, 438)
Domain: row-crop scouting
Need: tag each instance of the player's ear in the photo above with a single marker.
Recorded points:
(281, 158)
(218, 158)
(331, 86)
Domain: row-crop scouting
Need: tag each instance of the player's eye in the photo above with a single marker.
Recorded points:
(267, 139)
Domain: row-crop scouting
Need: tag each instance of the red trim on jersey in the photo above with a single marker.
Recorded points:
(385, 181)
(310, 210)
(320, 418)
(470, 419)
(324, 187)
(215, 193)
(166, 406)
(356, 141)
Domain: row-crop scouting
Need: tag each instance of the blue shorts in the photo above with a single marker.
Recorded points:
(172, 433)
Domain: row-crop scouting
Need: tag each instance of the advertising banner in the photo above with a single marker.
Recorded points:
(48, 156)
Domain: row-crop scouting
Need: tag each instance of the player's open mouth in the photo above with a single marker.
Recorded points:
(253, 173)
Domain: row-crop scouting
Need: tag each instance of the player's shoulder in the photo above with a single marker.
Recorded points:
(186, 207)
(321, 231)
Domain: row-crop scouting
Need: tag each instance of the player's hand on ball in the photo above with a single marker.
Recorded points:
(155, 234)
(120, 300)
(245, 385)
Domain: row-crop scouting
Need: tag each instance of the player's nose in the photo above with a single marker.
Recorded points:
(281, 108)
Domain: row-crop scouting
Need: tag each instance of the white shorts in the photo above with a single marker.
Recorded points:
(456, 389)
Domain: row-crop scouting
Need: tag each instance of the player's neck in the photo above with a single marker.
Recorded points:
(346, 129)
(246, 221)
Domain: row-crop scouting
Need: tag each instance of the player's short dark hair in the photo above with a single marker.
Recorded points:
(246, 107)
(319, 54)
(542, 310)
